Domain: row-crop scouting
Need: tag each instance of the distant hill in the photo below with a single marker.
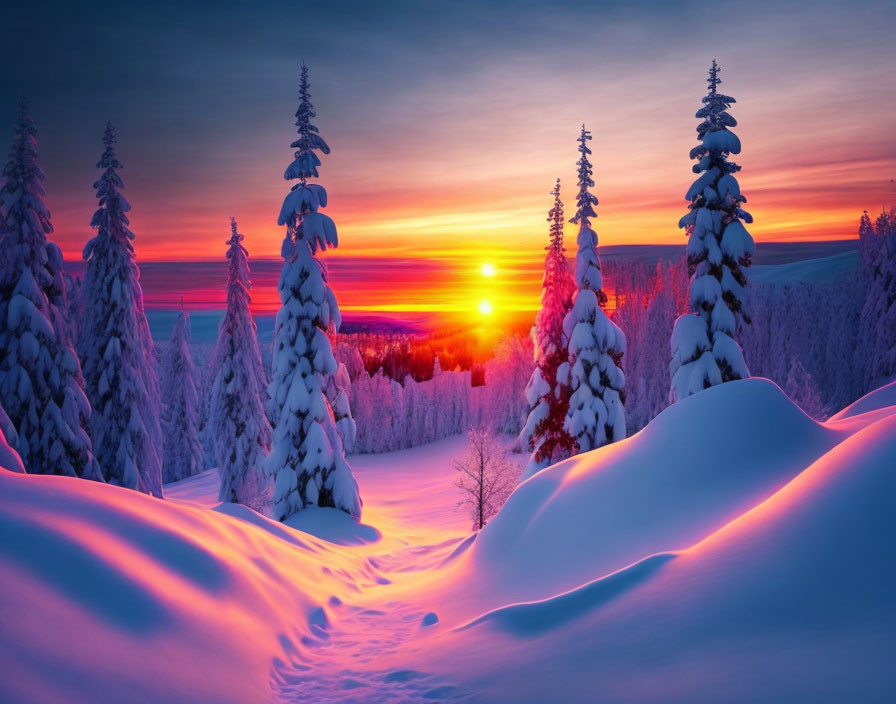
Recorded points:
(766, 252)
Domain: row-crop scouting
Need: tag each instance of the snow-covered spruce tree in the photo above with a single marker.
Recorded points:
(9, 458)
(115, 346)
(338, 392)
(878, 316)
(180, 420)
(704, 349)
(242, 434)
(803, 391)
(596, 415)
(544, 435)
(504, 405)
(40, 375)
(868, 243)
(74, 307)
(307, 460)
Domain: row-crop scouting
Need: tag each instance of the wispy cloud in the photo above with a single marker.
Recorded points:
(450, 121)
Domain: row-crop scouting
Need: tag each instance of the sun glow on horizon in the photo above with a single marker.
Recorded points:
(485, 308)
(488, 269)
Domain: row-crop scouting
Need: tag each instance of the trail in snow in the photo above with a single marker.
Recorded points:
(411, 499)
(425, 529)
(359, 639)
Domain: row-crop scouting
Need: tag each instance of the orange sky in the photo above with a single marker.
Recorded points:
(447, 134)
(481, 191)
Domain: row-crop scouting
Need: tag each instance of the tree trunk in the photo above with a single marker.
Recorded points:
(481, 491)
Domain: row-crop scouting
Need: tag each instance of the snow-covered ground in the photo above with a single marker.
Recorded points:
(733, 551)
(806, 271)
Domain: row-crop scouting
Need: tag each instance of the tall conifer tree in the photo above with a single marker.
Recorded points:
(548, 398)
(596, 414)
(307, 461)
(120, 369)
(704, 349)
(183, 451)
(41, 388)
(242, 434)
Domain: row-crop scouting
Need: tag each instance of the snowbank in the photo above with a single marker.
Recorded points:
(793, 601)
(699, 464)
(733, 551)
(110, 595)
(880, 399)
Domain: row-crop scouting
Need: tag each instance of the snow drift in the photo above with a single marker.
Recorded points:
(880, 399)
(735, 550)
(109, 595)
(698, 465)
(791, 601)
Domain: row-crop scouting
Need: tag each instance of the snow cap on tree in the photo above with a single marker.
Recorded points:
(307, 462)
(596, 415)
(115, 344)
(242, 434)
(300, 207)
(183, 451)
(40, 375)
(704, 349)
(588, 274)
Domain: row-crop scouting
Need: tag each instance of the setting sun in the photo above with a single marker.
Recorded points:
(488, 269)
(485, 308)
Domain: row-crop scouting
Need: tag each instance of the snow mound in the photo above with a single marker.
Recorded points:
(877, 400)
(333, 526)
(700, 463)
(792, 601)
(733, 551)
(535, 617)
(124, 597)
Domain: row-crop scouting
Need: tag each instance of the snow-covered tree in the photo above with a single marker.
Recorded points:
(242, 434)
(596, 415)
(307, 460)
(647, 313)
(878, 316)
(206, 370)
(811, 324)
(40, 375)
(803, 391)
(868, 243)
(74, 307)
(544, 434)
(704, 349)
(504, 405)
(180, 420)
(487, 476)
(338, 392)
(9, 458)
(115, 346)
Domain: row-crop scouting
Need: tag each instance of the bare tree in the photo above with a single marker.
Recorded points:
(487, 476)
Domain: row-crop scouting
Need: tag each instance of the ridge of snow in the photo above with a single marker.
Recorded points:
(649, 571)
